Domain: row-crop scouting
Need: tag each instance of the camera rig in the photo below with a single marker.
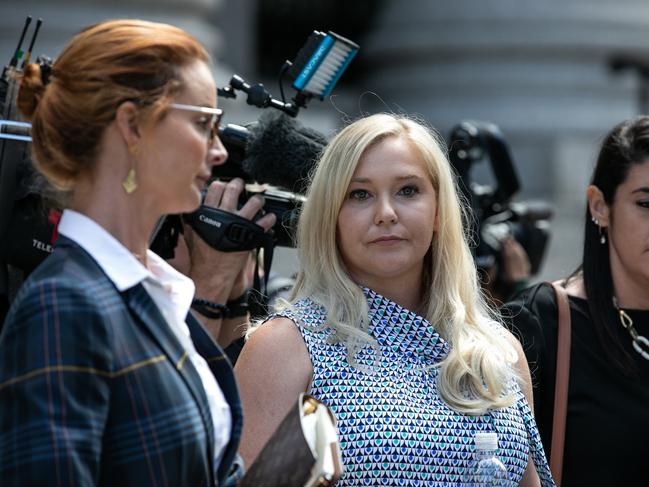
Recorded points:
(274, 152)
(493, 213)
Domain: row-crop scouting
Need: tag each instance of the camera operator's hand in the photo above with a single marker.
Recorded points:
(214, 271)
(516, 264)
(221, 276)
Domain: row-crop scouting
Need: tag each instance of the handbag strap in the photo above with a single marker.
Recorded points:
(561, 384)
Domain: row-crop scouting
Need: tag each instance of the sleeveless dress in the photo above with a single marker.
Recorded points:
(394, 428)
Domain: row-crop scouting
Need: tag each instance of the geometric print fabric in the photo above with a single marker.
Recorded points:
(394, 428)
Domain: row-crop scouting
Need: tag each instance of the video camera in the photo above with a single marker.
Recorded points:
(273, 155)
(494, 214)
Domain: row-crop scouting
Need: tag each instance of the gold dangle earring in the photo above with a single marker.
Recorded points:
(130, 182)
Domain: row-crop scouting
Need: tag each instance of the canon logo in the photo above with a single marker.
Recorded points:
(209, 221)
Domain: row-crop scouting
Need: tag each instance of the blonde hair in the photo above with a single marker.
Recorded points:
(100, 68)
(476, 373)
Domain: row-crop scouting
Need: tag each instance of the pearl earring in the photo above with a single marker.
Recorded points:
(601, 230)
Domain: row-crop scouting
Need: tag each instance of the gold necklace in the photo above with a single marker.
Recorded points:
(640, 343)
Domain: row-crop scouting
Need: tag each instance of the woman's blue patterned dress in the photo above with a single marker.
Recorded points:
(394, 428)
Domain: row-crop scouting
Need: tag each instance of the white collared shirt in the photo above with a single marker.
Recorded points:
(170, 290)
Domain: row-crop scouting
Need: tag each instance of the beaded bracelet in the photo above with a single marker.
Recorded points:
(232, 309)
(238, 306)
(209, 309)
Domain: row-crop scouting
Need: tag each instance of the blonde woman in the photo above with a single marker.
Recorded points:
(387, 325)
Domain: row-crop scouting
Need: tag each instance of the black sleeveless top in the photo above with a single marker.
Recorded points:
(607, 428)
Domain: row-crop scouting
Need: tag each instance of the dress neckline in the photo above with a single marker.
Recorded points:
(397, 329)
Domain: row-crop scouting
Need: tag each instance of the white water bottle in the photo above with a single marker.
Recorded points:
(486, 469)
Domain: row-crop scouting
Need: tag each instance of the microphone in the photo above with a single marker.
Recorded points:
(277, 151)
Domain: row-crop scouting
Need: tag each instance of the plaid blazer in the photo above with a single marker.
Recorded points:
(95, 389)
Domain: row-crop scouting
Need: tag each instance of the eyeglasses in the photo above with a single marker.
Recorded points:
(216, 114)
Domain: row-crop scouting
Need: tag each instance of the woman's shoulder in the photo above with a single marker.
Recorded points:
(300, 326)
(532, 315)
(61, 277)
(277, 326)
(278, 345)
(70, 276)
(72, 309)
(67, 287)
(538, 300)
(69, 266)
(305, 314)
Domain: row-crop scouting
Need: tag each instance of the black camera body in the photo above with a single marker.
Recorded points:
(286, 206)
(273, 156)
(493, 213)
(254, 156)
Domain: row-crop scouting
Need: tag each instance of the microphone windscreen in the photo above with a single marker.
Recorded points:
(282, 152)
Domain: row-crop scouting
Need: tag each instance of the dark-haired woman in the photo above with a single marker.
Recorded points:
(608, 418)
(105, 378)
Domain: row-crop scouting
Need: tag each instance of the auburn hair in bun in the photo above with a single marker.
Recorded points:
(101, 67)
